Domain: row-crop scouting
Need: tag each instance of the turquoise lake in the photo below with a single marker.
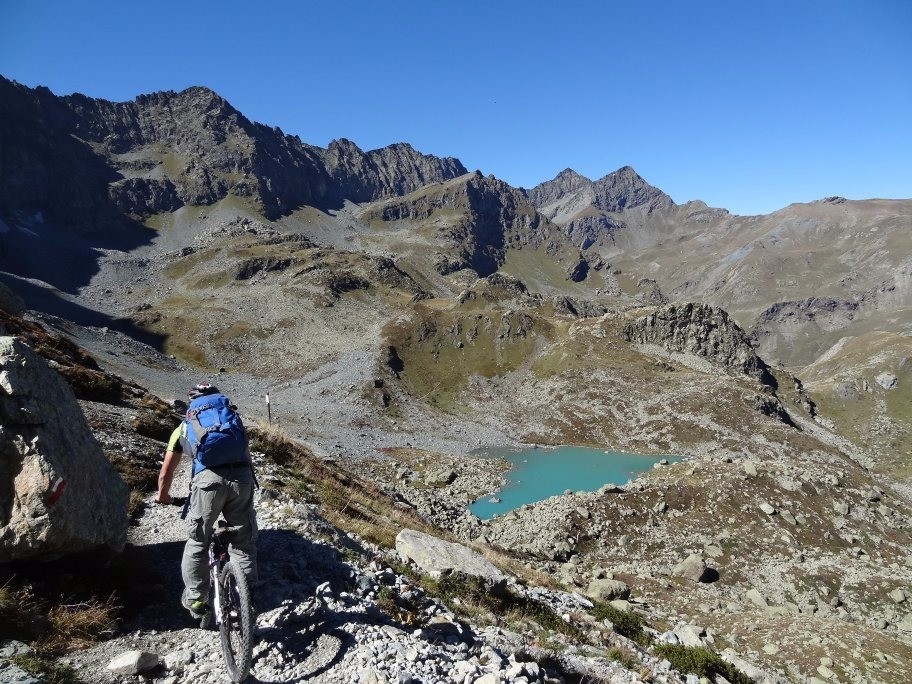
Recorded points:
(537, 474)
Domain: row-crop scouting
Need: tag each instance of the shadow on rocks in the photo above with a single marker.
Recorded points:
(291, 570)
(291, 567)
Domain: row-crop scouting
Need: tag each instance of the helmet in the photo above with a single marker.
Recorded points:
(201, 390)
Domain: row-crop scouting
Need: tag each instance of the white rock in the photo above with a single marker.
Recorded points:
(134, 662)
(887, 380)
(756, 598)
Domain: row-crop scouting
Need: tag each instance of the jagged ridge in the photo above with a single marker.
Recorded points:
(76, 155)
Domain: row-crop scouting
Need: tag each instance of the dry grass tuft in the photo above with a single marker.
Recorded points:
(78, 625)
(55, 627)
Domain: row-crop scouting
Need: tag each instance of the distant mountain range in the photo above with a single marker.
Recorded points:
(101, 173)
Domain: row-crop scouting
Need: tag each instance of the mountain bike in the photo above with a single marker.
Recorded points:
(230, 605)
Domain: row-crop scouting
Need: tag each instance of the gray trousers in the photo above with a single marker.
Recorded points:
(226, 491)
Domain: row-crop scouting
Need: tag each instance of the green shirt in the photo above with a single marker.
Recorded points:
(175, 442)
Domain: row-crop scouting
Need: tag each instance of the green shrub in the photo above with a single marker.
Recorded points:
(475, 590)
(625, 623)
(701, 662)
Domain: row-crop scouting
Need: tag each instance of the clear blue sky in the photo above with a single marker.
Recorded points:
(746, 105)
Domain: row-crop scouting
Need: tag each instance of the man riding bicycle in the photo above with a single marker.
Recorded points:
(223, 489)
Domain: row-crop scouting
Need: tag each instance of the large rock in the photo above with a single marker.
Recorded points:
(134, 662)
(436, 555)
(608, 589)
(694, 568)
(58, 493)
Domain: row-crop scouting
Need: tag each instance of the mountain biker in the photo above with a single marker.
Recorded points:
(226, 490)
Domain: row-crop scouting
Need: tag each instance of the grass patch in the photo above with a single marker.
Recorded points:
(441, 350)
(78, 625)
(153, 426)
(71, 603)
(138, 473)
(56, 623)
(701, 662)
(343, 499)
(45, 669)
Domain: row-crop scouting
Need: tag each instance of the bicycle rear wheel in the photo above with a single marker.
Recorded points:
(236, 626)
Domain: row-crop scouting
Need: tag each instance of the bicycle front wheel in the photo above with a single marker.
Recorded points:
(236, 625)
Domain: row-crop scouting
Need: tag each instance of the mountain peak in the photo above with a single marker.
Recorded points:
(626, 189)
(343, 145)
(570, 174)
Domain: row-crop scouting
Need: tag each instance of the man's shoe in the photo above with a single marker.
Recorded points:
(198, 609)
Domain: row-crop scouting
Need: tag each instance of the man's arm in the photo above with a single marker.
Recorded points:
(166, 475)
(172, 458)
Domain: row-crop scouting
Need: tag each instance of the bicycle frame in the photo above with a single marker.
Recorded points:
(218, 556)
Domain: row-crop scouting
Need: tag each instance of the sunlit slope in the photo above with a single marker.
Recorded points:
(558, 378)
(863, 384)
(269, 304)
(847, 250)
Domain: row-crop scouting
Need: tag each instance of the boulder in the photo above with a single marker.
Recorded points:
(436, 555)
(887, 380)
(756, 598)
(607, 589)
(767, 508)
(694, 568)
(905, 624)
(134, 662)
(58, 493)
(690, 635)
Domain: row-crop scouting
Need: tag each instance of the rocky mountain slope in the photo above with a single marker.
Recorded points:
(401, 312)
(83, 160)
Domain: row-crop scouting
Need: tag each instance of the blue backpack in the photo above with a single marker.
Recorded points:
(215, 433)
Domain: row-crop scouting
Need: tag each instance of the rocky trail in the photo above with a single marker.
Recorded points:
(318, 617)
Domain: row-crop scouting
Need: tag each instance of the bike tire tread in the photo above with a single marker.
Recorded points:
(238, 663)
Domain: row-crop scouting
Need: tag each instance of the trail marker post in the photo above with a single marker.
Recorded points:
(268, 409)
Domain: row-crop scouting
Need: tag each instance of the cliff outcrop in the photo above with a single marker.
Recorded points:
(704, 331)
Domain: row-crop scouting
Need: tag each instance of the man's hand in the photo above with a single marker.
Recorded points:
(163, 498)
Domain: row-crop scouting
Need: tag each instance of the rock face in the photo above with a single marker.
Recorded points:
(397, 169)
(701, 330)
(436, 555)
(58, 493)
